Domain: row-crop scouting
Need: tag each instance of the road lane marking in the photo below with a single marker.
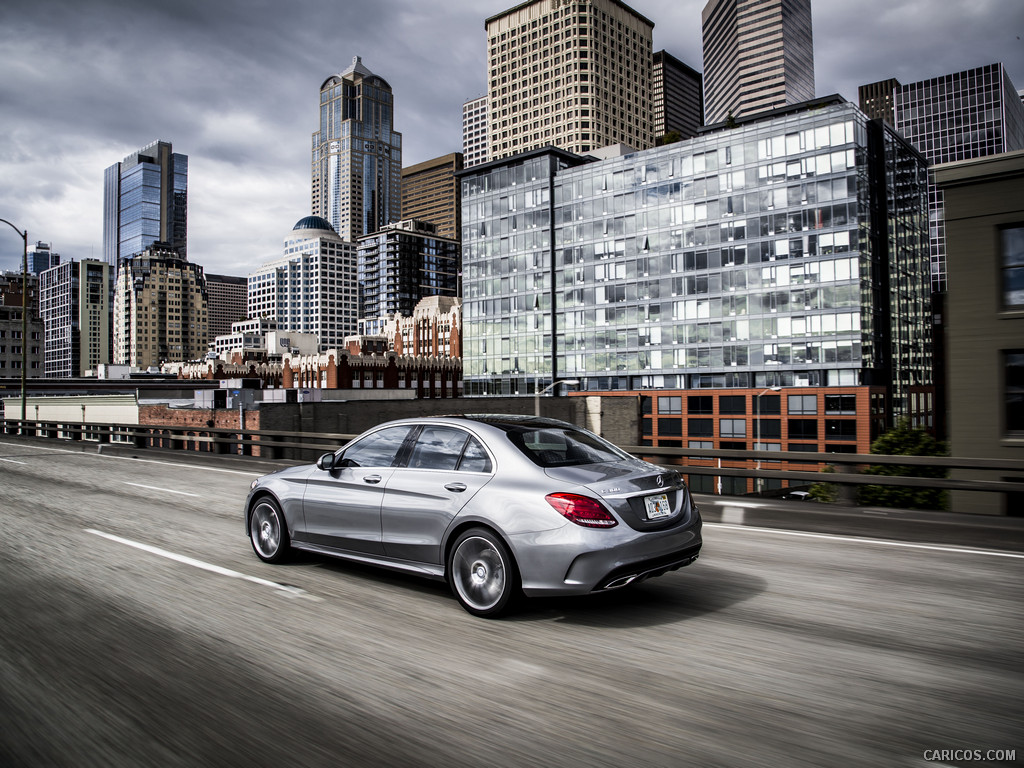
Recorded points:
(163, 490)
(864, 540)
(733, 515)
(148, 461)
(285, 588)
(14, 461)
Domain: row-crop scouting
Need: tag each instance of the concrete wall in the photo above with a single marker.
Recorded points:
(617, 419)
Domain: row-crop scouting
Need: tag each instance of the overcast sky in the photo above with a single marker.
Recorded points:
(234, 84)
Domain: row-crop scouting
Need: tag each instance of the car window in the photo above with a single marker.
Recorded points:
(475, 458)
(438, 448)
(378, 449)
(562, 447)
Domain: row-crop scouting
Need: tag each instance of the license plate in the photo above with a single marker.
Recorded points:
(657, 506)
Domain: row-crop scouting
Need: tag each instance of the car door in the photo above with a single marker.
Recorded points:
(342, 505)
(446, 467)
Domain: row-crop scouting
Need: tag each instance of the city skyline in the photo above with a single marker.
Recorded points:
(233, 87)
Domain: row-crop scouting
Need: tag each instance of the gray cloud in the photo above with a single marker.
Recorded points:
(233, 84)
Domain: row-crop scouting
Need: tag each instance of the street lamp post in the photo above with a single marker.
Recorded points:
(757, 430)
(538, 392)
(24, 312)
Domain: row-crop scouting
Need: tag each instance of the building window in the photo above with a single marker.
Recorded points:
(732, 404)
(803, 404)
(768, 428)
(673, 427)
(1014, 389)
(701, 427)
(840, 429)
(732, 428)
(1013, 266)
(803, 429)
(841, 404)
(700, 404)
(670, 405)
(767, 404)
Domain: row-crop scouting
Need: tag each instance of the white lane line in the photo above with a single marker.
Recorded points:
(162, 490)
(13, 461)
(861, 540)
(288, 590)
(144, 461)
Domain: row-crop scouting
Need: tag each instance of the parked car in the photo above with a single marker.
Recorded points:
(496, 505)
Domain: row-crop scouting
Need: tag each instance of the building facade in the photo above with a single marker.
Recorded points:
(145, 201)
(789, 251)
(474, 132)
(399, 266)
(961, 116)
(430, 192)
(573, 76)
(677, 93)
(758, 55)
(160, 309)
(357, 154)
(40, 257)
(75, 306)
(984, 206)
(227, 302)
(15, 350)
(313, 288)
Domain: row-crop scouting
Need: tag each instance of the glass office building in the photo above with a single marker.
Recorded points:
(356, 154)
(145, 201)
(791, 250)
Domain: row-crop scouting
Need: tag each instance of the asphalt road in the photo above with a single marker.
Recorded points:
(137, 628)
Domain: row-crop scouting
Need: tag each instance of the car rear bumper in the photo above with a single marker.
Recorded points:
(573, 560)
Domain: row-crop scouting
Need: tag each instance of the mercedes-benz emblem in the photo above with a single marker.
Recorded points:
(661, 480)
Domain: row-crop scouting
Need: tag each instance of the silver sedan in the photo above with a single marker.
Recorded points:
(496, 505)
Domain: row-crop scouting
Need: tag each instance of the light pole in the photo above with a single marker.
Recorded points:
(757, 430)
(538, 392)
(24, 313)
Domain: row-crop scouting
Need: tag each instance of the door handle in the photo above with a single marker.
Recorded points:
(374, 479)
(456, 487)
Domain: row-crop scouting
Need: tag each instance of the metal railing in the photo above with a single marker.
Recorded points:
(847, 469)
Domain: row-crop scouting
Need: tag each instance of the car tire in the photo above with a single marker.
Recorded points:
(268, 533)
(482, 573)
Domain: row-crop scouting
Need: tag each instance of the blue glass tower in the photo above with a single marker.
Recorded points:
(145, 200)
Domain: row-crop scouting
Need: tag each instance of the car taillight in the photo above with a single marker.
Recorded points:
(581, 510)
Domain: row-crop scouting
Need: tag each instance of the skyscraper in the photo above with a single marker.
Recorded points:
(758, 55)
(474, 132)
(430, 192)
(678, 97)
(573, 76)
(145, 199)
(960, 116)
(357, 155)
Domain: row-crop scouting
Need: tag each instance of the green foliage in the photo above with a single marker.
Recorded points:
(671, 137)
(730, 121)
(827, 493)
(904, 440)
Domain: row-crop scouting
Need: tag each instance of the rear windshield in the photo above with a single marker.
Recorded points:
(563, 447)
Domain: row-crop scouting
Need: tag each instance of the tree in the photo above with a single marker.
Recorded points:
(904, 440)
(669, 138)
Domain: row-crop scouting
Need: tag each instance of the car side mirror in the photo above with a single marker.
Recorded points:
(325, 462)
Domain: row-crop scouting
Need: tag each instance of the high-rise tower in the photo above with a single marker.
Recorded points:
(573, 76)
(357, 155)
(758, 55)
(145, 199)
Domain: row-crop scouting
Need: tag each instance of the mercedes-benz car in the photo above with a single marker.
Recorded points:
(498, 506)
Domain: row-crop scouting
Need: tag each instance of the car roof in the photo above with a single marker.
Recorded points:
(507, 420)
